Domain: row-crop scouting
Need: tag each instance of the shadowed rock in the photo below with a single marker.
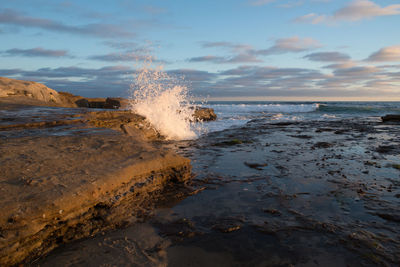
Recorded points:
(391, 117)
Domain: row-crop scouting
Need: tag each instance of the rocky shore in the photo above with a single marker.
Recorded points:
(270, 193)
(70, 172)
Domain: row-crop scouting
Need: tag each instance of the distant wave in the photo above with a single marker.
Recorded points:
(265, 108)
(357, 108)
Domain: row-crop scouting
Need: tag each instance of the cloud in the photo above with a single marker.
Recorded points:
(357, 71)
(121, 45)
(354, 11)
(36, 52)
(292, 44)
(327, 57)
(244, 53)
(72, 72)
(244, 58)
(11, 17)
(229, 45)
(239, 53)
(342, 65)
(239, 58)
(194, 76)
(213, 59)
(259, 81)
(217, 44)
(390, 53)
(99, 82)
(90, 82)
(363, 9)
(311, 18)
(248, 81)
(120, 57)
(346, 79)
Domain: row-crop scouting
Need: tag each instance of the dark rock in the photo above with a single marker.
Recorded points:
(273, 212)
(256, 166)
(342, 131)
(386, 149)
(391, 117)
(179, 228)
(112, 103)
(323, 145)
(389, 217)
(229, 143)
(227, 225)
(283, 123)
(115, 103)
(82, 103)
(396, 166)
(204, 114)
(97, 103)
(302, 136)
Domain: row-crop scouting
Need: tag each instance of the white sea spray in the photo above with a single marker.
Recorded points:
(165, 102)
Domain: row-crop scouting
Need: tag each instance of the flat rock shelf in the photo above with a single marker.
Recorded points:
(55, 189)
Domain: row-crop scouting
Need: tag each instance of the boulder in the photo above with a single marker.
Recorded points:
(112, 103)
(204, 114)
(96, 102)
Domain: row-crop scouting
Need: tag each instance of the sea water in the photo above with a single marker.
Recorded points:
(238, 113)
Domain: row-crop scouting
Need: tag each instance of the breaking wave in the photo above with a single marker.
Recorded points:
(164, 101)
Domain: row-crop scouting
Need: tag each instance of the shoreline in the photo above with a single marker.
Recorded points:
(308, 193)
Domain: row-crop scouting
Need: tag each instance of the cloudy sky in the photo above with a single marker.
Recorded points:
(225, 49)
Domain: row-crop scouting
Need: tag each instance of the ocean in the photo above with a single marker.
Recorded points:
(237, 113)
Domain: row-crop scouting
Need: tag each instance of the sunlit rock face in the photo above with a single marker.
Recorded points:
(34, 90)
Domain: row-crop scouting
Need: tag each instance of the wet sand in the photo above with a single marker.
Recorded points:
(284, 194)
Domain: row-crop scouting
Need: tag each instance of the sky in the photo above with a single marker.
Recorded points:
(223, 49)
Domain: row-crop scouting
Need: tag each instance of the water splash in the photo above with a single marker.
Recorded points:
(164, 101)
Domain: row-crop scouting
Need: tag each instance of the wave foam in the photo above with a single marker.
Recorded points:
(165, 103)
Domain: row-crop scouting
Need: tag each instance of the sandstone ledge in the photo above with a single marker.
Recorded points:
(56, 189)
